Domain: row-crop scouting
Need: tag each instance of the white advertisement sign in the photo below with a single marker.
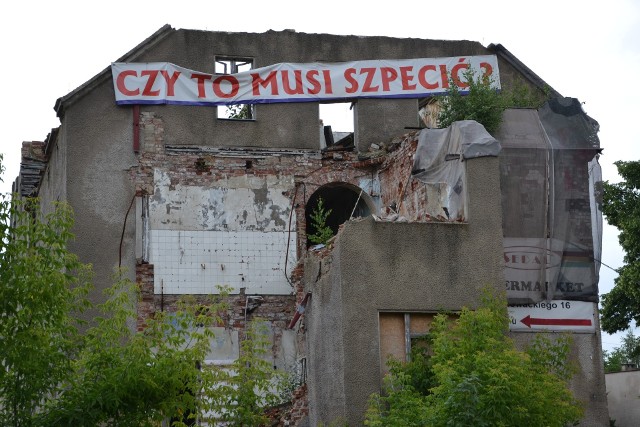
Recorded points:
(535, 267)
(555, 315)
(166, 83)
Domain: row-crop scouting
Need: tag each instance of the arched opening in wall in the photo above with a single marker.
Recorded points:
(336, 124)
(345, 201)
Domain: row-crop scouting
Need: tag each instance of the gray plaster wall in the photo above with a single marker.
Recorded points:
(324, 324)
(53, 187)
(98, 138)
(397, 267)
(623, 395)
(588, 383)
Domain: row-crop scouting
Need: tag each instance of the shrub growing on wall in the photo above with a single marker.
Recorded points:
(483, 103)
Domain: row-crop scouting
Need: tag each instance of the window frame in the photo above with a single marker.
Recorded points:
(234, 65)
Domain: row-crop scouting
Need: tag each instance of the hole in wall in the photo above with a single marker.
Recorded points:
(340, 197)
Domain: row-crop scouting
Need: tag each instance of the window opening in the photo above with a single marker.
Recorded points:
(224, 65)
(336, 124)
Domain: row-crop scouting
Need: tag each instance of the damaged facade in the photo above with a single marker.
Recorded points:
(188, 199)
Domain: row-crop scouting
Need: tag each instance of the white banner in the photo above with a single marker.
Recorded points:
(555, 315)
(166, 83)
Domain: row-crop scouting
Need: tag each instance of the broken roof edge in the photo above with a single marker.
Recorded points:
(504, 53)
(146, 44)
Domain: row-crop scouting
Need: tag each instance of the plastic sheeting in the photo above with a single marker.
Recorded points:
(551, 191)
(438, 164)
(551, 187)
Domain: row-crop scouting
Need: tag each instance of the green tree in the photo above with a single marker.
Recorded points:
(628, 352)
(483, 103)
(319, 217)
(54, 373)
(42, 287)
(621, 207)
(126, 378)
(239, 111)
(613, 360)
(250, 385)
(480, 379)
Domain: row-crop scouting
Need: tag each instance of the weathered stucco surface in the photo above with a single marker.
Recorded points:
(623, 395)
(397, 267)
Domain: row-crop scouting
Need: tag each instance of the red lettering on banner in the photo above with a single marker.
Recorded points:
(299, 82)
(444, 76)
(150, 81)
(370, 72)
(235, 86)
(406, 78)
(298, 90)
(455, 73)
(201, 79)
(171, 81)
(488, 69)
(259, 81)
(328, 88)
(388, 75)
(422, 77)
(315, 84)
(348, 75)
(120, 83)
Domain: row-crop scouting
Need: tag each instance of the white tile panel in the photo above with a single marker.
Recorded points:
(196, 262)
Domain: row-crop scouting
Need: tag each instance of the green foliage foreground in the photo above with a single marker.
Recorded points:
(56, 371)
(473, 376)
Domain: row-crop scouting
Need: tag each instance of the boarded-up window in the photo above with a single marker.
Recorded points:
(398, 332)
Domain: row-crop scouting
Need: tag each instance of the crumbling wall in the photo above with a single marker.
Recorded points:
(382, 266)
(208, 211)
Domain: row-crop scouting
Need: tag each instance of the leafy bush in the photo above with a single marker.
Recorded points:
(52, 373)
(478, 378)
(483, 103)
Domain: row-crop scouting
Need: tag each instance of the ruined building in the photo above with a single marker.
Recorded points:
(188, 193)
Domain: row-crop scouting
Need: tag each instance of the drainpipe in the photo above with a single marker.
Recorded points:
(136, 128)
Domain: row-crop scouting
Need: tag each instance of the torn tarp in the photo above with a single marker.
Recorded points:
(438, 165)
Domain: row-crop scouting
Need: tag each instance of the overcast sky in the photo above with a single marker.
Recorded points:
(588, 50)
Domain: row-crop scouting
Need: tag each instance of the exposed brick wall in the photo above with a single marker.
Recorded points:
(200, 166)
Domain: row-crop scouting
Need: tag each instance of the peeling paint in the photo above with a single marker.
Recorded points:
(246, 203)
(238, 227)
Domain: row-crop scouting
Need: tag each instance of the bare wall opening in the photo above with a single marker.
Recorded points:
(336, 124)
(345, 201)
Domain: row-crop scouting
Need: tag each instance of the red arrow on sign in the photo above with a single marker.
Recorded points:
(555, 322)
